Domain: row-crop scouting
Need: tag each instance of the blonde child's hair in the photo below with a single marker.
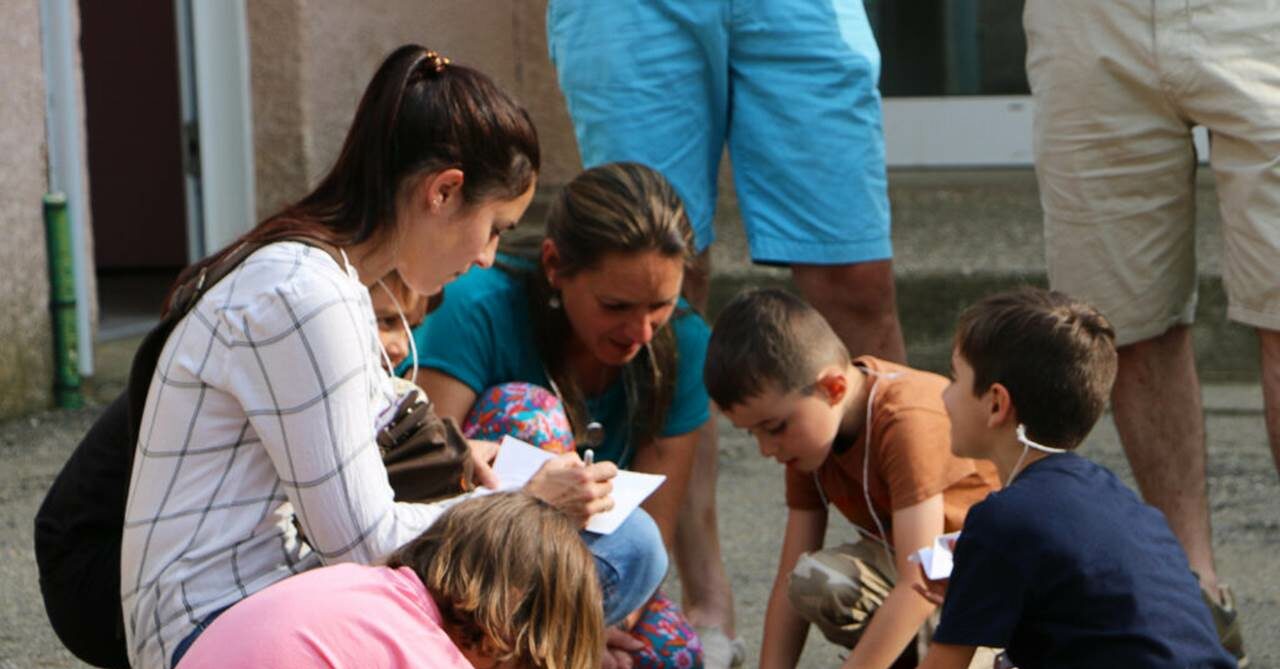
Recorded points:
(513, 581)
(413, 304)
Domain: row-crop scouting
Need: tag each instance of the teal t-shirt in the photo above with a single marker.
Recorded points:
(481, 336)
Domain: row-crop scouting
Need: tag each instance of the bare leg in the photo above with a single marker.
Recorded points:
(697, 281)
(707, 596)
(1158, 413)
(859, 302)
(1270, 343)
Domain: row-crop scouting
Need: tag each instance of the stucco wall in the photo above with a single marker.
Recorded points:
(311, 59)
(26, 350)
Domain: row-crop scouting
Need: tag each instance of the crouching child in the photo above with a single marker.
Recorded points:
(864, 435)
(1065, 566)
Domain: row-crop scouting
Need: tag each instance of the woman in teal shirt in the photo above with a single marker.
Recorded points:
(596, 318)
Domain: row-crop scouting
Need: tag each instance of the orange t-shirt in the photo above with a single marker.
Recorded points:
(910, 459)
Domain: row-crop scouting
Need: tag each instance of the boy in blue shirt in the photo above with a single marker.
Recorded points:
(1063, 567)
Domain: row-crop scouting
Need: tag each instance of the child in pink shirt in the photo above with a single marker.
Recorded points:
(501, 579)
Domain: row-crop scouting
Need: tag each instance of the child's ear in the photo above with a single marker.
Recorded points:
(834, 386)
(1000, 409)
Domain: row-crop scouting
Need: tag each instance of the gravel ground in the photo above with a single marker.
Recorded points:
(1244, 489)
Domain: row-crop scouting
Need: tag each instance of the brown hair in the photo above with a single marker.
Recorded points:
(618, 208)
(418, 115)
(513, 581)
(1055, 355)
(767, 337)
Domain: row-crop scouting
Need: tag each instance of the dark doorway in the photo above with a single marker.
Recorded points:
(134, 138)
(937, 48)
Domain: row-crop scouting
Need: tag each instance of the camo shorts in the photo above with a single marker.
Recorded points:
(838, 589)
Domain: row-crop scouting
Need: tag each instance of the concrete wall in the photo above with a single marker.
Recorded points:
(311, 59)
(26, 348)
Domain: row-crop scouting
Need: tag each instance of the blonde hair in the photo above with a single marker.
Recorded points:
(414, 304)
(513, 581)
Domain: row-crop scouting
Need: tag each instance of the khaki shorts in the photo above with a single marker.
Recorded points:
(839, 589)
(1118, 85)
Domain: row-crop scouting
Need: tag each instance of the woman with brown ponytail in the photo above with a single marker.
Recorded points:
(262, 413)
(590, 324)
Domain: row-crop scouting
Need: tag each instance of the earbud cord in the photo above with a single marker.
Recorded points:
(1027, 445)
(866, 471)
(882, 539)
(408, 332)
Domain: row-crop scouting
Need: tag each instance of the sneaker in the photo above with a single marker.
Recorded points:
(739, 652)
(1227, 620)
(718, 650)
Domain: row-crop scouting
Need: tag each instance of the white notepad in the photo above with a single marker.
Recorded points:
(518, 461)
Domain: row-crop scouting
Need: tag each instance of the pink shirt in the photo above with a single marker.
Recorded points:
(346, 615)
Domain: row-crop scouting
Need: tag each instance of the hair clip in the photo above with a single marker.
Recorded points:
(437, 61)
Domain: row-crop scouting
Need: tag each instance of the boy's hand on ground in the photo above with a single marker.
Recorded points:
(576, 489)
(618, 647)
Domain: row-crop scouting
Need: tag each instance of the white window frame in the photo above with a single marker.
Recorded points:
(967, 131)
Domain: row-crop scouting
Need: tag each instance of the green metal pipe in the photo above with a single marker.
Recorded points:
(62, 301)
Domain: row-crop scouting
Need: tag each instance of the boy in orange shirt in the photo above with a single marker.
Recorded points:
(868, 436)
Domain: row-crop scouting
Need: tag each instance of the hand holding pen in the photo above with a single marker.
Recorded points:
(579, 487)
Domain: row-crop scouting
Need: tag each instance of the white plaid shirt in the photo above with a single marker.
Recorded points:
(263, 407)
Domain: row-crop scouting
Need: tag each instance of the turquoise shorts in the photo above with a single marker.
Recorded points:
(790, 85)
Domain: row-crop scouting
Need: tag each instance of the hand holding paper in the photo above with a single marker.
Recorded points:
(935, 560)
(518, 463)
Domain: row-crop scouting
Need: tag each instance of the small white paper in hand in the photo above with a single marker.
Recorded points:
(935, 560)
(518, 461)
(629, 490)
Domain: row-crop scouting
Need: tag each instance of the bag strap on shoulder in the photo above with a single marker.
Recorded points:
(186, 295)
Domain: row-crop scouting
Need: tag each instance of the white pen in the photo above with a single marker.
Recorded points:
(595, 437)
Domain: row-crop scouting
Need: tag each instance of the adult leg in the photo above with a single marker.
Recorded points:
(1157, 410)
(697, 281)
(1270, 341)
(705, 588)
(1116, 180)
(808, 149)
(1237, 97)
(707, 595)
(630, 563)
(859, 302)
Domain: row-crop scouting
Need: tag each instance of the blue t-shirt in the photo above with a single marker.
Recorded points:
(1067, 568)
(481, 335)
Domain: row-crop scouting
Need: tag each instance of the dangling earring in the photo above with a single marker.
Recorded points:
(554, 301)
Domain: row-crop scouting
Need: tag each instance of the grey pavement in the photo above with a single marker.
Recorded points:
(1244, 489)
